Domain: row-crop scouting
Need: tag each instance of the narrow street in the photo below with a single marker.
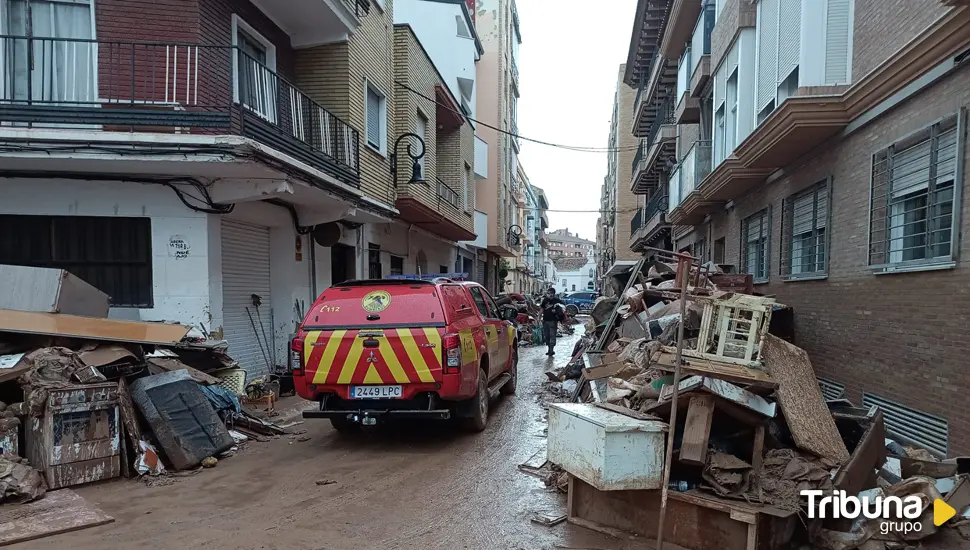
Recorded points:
(430, 486)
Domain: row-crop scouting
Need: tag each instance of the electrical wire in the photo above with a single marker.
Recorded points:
(578, 149)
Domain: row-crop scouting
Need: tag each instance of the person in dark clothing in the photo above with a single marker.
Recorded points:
(551, 315)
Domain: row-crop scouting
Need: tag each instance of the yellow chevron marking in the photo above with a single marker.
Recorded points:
(329, 354)
(308, 342)
(372, 377)
(350, 364)
(434, 338)
(393, 364)
(469, 354)
(414, 354)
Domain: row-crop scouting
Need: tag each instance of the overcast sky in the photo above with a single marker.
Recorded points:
(569, 58)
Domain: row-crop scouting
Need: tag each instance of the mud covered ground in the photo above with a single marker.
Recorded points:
(429, 486)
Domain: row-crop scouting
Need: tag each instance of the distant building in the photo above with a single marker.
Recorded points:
(575, 274)
(562, 243)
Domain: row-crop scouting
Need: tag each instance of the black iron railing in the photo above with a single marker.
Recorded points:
(359, 7)
(657, 204)
(637, 221)
(665, 115)
(447, 194)
(169, 88)
(639, 156)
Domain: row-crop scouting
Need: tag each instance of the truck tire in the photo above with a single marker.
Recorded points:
(344, 426)
(572, 309)
(478, 417)
(509, 387)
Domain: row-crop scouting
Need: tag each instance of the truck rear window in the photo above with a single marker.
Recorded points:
(392, 305)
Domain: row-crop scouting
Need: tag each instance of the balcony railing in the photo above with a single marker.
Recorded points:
(637, 221)
(665, 115)
(639, 156)
(169, 88)
(515, 72)
(693, 168)
(657, 204)
(700, 42)
(359, 7)
(684, 72)
(447, 194)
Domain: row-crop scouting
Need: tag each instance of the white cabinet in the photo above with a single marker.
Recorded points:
(607, 450)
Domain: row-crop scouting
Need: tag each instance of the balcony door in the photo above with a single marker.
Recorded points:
(50, 56)
(255, 62)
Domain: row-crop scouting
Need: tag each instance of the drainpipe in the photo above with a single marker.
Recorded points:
(313, 269)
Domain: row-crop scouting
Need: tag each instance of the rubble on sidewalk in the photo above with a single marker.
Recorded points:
(753, 428)
(97, 398)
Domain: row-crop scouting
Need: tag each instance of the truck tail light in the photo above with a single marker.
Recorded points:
(451, 345)
(296, 356)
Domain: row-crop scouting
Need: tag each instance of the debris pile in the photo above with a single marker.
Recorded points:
(751, 425)
(96, 398)
(526, 316)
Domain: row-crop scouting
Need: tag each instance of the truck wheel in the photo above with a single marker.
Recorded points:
(344, 426)
(478, 419)
(572, 309)
(509, 387)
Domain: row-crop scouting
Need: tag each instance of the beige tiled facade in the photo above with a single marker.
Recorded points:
(336, 76)
(626, 202)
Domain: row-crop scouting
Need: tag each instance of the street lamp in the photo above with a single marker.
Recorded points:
(416, 175)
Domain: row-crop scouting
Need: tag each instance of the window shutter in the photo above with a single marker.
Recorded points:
(822, 198)
(373, 117)
(946, 165)
(767, 51)
(789, 36)
(911, 169)
(837, 42)
(803, 214)
(720, 80)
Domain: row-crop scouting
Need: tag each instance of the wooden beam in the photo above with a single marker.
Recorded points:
(697, 430)
(758, 450)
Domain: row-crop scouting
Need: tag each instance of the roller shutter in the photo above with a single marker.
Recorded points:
(246, 271)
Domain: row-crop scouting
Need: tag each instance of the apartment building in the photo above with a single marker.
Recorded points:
(497, 22)
(562, 243)
(531, 209)
(820, 147)
(220, 162)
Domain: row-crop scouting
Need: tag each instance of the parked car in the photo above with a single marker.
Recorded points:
(404, 348)
(579, 302)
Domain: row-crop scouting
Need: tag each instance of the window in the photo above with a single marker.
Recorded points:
(574, 287)
(788, 87)
(700, 250)
(719, 136)
(564, 282)
(754, 245)
(462, 29)
(254, 63)
(731, 129)
(397, 265)
(376, 119)
(112, 254)
(374, 270)
(442, 269)
(421, 128)
(719, 246)
(764, 113)
(912, 211)
(591, 272)
(480, 302)
(491, 304)
(804, 241)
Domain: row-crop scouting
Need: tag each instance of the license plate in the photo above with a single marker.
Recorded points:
(375, 392)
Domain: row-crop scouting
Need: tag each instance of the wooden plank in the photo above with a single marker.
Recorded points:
(603, 371)
(62, 511)
(626, 412)
(809, 419)
(169, 364)
(697, 430)
(739, 374)
(128, 415)
(90, 328)
(758, 451)
(868, 455)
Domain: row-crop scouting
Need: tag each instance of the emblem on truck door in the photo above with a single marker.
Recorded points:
(372, 358)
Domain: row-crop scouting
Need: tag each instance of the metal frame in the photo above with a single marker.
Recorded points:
(767, 246)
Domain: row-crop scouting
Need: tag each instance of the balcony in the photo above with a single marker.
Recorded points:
(661, 83)
(700, 47)
(660, 145)
(315, 22)
(515, 75)
(436, 208)
(654, 220)
(180, 90)
(636, 223)
(514, 129)
(688, 106)
(678, 32)
(685, 182)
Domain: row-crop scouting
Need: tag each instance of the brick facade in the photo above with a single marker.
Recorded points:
(336, 76)
(626, 202)
(900, 336)
(447, 153)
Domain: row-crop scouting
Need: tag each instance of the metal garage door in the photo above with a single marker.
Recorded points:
(245, 271)
(480, 275)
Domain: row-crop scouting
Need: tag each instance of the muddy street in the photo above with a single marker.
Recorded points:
(428, 486)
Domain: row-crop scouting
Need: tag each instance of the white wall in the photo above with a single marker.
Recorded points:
(406, 241)
(481, 231)
(481, 158)
(435, 26)
(579, 278)
(180, 285)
